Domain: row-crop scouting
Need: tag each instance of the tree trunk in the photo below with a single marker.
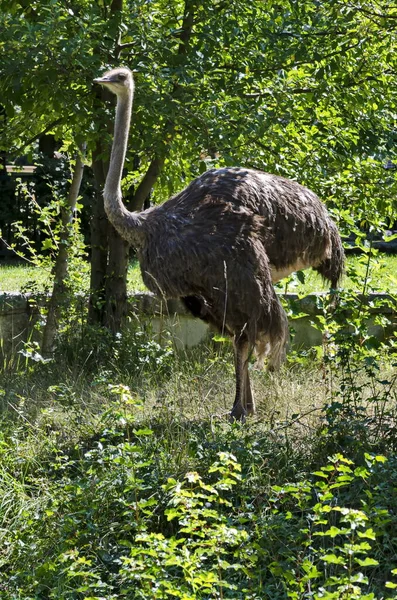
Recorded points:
(108, 301)
(109, 258)
(109, 252)
(99, 242)
(58, 298)
(116, 281)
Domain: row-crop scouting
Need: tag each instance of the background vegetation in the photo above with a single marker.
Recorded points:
(147, 491)
(382, 276)
(305, 90)
(120, 475)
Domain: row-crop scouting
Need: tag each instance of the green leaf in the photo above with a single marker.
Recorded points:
(143, 432)
(368, 533)
(47, 244)
(172, 513)
(366, 562)
(334, 531)
(333, 559)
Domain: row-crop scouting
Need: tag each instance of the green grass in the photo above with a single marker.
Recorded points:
(382, 275)
(149, 492)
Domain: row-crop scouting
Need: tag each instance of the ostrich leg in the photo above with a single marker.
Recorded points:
(249, 398)
(244, 402)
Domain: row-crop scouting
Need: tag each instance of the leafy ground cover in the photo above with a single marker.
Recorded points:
(121, 476)
(382, 274)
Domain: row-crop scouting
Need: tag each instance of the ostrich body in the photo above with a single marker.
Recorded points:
(222, 242)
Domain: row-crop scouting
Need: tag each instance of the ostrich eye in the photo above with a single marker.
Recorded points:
(121, 77)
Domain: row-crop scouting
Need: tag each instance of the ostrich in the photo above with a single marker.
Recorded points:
(222, 243)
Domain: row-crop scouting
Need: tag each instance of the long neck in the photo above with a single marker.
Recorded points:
(128, 224)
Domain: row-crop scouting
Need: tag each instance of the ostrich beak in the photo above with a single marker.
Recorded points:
(101, 80)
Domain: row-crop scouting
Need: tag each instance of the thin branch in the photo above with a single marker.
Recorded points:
(156, 165)
(58, 121)
(147, 183)
(121, 47)
(275, 68)
(297, 419)
(374, 14)
(306, 35)
(291, 91)
(312, 90)
(58, 296)
(19, 254)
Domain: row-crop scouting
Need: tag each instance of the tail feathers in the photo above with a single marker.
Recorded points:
(332, 268)
(273, 344)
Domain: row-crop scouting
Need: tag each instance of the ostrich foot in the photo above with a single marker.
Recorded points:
(238, 414)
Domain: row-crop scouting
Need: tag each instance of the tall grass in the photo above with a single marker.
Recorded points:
(122, 477)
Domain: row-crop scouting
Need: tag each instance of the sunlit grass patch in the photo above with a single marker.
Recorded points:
(380, 274)
(377, 274)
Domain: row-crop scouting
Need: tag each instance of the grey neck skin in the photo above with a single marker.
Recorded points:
(128, 224)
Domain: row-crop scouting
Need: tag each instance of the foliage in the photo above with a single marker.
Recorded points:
(103, 496)
(361, 412)
(103, 519)
(60, 252)
(382, 275)
(47, 218)
(334, 559)
(24, 198)
(198, 559)
(313, 85)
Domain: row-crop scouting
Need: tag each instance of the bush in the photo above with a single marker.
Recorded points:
(108, 517)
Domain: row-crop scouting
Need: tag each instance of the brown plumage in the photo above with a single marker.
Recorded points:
(222, 242)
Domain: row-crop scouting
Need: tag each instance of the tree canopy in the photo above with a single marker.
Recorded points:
(303, 89)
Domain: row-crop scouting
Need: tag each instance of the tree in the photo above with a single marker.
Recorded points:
(59, 291)
(305, 90)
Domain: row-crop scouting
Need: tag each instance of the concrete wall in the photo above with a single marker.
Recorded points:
(169, 319)
(18, 314)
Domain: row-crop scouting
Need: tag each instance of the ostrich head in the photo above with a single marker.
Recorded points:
(119, 81)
